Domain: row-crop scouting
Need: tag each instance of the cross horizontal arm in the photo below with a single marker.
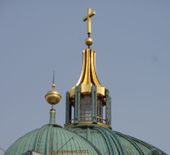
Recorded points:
(90, 15)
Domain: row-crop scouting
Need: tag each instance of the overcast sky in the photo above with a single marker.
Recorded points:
(132, 43)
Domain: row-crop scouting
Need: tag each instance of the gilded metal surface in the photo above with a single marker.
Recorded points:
(89, 41)
(52, 96)
(89, 123)
(90, 13)
(88, 76)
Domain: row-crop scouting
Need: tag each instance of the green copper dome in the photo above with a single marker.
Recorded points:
(49, 140)
(52, 139)
(115, 143)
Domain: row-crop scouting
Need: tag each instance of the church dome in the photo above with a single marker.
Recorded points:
(51, 139)
(111, 142)
(88, 120)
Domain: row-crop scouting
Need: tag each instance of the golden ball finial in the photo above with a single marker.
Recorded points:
(89, 41)
(53, 97)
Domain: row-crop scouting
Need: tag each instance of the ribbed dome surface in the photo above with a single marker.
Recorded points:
(115, 143)
(51, 140)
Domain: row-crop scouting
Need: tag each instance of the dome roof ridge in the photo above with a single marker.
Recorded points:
(114, 142)
(137, 140)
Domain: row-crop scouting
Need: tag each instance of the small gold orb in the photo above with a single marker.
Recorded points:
(53, 97)
(89, 41)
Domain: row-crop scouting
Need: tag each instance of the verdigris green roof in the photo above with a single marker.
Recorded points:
(51, 139)
(115, 143)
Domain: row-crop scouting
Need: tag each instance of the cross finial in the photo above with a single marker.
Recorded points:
(90, 13)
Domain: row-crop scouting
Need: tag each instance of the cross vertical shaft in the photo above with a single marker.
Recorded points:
(90, 13)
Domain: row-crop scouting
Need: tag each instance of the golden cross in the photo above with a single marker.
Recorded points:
(90, 13)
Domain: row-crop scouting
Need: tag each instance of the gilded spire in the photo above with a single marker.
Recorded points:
(89, 99)
(88, 75)
(52, 96)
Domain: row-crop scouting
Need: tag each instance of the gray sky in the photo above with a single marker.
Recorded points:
(132, 42)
